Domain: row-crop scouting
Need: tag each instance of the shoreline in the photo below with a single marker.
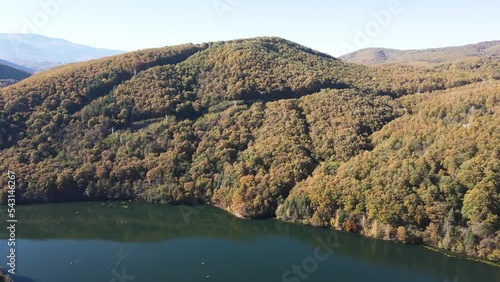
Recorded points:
(428, 247)
(236, 214)
(456, 255)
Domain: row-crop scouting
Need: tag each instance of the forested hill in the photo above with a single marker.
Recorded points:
(424, 57)
(266, 127)
(10, 75)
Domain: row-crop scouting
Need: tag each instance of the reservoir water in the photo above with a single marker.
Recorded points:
(141, 242)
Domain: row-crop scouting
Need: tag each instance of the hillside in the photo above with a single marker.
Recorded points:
(9, 75)
(425, 57)
(266, 127)
(36, 52)
(12, 65)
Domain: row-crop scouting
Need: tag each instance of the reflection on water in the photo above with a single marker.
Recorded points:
(132, 241)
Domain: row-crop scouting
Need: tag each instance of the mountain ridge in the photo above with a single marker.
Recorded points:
(10, 75)
(425, 57)
(16, 66)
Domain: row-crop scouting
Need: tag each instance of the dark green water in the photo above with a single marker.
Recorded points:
(139, 242)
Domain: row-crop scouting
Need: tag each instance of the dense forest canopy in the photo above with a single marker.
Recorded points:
(266, 127)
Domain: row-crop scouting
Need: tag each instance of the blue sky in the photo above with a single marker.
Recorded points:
(334, 27)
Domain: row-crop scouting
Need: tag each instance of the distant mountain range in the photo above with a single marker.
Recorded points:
(16, 66)
(377, 56)
(36, 52)
(33, 53)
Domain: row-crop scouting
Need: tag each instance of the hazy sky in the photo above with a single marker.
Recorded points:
(334, 27)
